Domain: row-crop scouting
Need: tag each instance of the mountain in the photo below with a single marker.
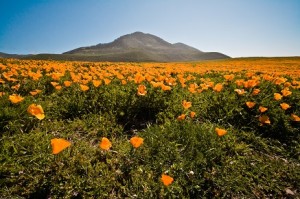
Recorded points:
(139, 46)
(5, 55)
(135, 47)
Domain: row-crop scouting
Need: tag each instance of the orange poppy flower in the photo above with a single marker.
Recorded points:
(141, 90)
(262, 109)
(136, 141)
(14, 98)
(181, 117)
(165, 88)
(229, 77)
(120, 76)
(255, 91)
(36, 110)
(107, 81)
(218, 87)
(264, 119)
(295, 118)
(166, 179)
(285, 106)
(220, 132)
(277, 96)
(192, 114)
(240, 91)
(16, 87)
(186, 104)
(67, 83)
(287, 84)
(156, 84)
(239, 82)
(280, 80)
(2, 93)
(54, 83)
(35, 92)
(58, 87)
(84, 87)
(251, 83)
(139, 78)
(250, 104)
(123, 82)
(192, 90)
(105, 144)
(286, 92)
(96, 83)
(59, 144)
(203, 86)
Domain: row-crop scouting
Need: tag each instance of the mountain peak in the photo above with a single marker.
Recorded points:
(141, 40)
(139, 46)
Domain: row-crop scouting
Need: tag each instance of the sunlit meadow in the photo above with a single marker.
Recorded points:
(224, 129)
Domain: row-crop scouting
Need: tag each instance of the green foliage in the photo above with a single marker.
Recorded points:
(253, 160)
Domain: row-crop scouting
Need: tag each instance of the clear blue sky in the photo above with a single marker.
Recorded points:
(234, 27)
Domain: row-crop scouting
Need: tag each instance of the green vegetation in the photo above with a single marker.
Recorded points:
(252, 160)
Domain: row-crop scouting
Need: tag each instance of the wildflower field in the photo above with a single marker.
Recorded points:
(211, 129)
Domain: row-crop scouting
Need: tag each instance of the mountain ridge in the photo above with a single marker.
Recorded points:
(151, 46)
(134, 47)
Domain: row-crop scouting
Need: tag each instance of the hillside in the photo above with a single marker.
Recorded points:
(139, 46)
(135, 47)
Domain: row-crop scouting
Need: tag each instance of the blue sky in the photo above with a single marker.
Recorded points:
(238, 28)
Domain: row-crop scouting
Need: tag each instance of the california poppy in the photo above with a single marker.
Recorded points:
(295, 118)
(220, 132)
(84, 87)
(59, 144)
(141, 90)
(58, 87)
(285, 106)
(136, 141)
(255, 91)
(280, 80)
(192, 114)
(250, 104)
(54, 83)
(156, 84)
(264, 119)
(96, 83)
(262, 109)
(14, 98)
(192, 90)
(35, 92)
(239, 82)
(107, 81)
(287, 84)
(240, 91)
(251, 83)
(105, 144)
(139, 78)
(166, 179)
(229, 77)
(181, 117)
(285, 92)
(186, 104)
(218, 87)
(124, 81)
(16, 87)
(67, 83)
(165, 88)
(277, 96)
(36, 110)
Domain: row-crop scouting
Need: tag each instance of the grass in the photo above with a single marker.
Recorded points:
(252, 160)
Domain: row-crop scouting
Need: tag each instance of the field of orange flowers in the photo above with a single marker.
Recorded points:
(148, 130)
